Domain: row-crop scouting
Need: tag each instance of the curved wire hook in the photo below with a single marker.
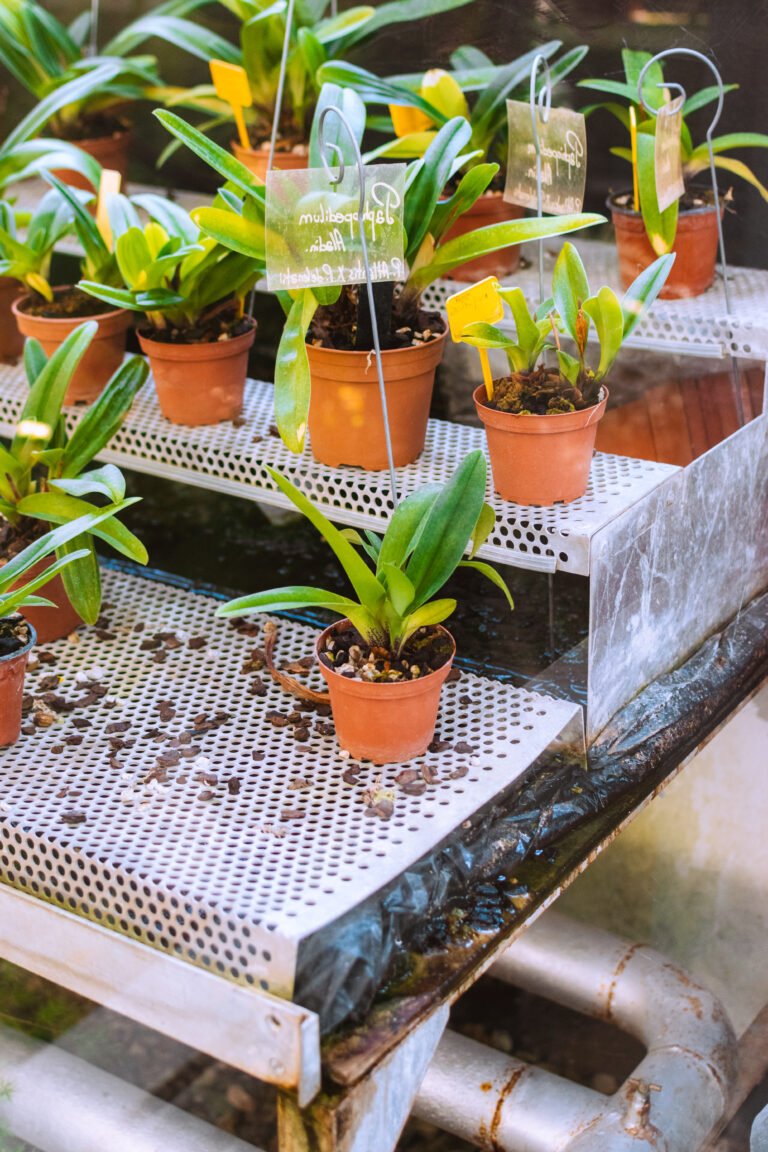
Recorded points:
(326, 146)
(542, 105)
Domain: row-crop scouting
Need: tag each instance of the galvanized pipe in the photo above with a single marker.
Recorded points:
(60, 1103)
(673, 1100)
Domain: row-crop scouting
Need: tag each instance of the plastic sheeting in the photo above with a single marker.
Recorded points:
(513, 854)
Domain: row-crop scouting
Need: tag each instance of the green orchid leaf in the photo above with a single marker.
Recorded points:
(490, 574)
(400, 590)
(661, 227)
(427, 616)
(292, 376)
(570, 289)
(643, 291)
(105, 481)
(104, 417)
(605, 312)
(364, 582)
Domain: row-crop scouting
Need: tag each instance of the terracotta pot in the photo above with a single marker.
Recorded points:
(200, 383)
(12, 669)
(346, 425)
(490, 208)
(695, 247)
(11, 340)
(104, 354)
(110, 151)
(540, 460)
(256, 160)
(51, 623)
(385, 723)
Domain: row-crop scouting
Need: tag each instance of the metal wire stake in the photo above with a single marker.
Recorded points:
(94, 37)
(281, 83)
(735, 379)
(336, 178)
(278, 109)
(540, 107)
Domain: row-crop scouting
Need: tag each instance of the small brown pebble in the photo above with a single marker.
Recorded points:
(73, 818)
(458, 773)
(233, 786)
(429, 774)
(160, 657)
(465, 700)
(277, 719)
(150, 645)
(196, 642)
(169, 759)
(301, 734)
(57, 749)
(62, 793)
(350, 775)
(257, 754)
(273, 430)
(407, 776)
(453, 675)
(81, 722)
(28, 730)
(115, 763)
(465, 749)
(73, 741)
(46, 657)
(292, 814)
(48, 683)
(206, 778)
(416, 789)
(139, 627)
(238, 422)
(205, 795)
(299, 784)
(103, 634)
(191, 752)
(118, 726)
(440, 746)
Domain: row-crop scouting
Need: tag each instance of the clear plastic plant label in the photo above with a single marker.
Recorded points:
(667, 157)
(563, 142)
(313, 235)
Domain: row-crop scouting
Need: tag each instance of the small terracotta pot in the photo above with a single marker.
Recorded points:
(110, 151)
(51, 623)
(12, 669)
(385, 723)
(103, 356)
(695, 248)
(257, 160)
(199, 383)
(490, 208)
(11, 340)
(346, 425)
(540, 460)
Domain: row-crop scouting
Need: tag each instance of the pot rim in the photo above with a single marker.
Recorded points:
(594, 412)
(126, 128)
(366, 687)
(413, 348)
(623, 210)
(206, 350)
(97, 316)
(11, 656)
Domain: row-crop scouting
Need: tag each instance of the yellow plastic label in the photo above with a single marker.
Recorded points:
(479, 304)
(109, 186)
(406, 120)
(231, 84)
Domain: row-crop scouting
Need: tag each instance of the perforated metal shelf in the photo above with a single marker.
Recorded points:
(231, 458)
(170, 803)
(701, 326)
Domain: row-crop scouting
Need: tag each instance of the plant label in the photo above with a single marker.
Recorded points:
(563, 141)
(480, 304)
(109, 186)
(231, 84)
(667, 156)
(312, 229)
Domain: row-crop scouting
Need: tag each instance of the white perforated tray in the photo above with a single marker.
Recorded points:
(230, 458)
(701, 326)
(254, 839)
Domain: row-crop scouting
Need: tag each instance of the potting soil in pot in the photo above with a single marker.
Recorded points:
(348, 654)
(537, 394)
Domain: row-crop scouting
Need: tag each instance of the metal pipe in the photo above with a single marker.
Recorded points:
(60, 1103)
(674, 1099)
